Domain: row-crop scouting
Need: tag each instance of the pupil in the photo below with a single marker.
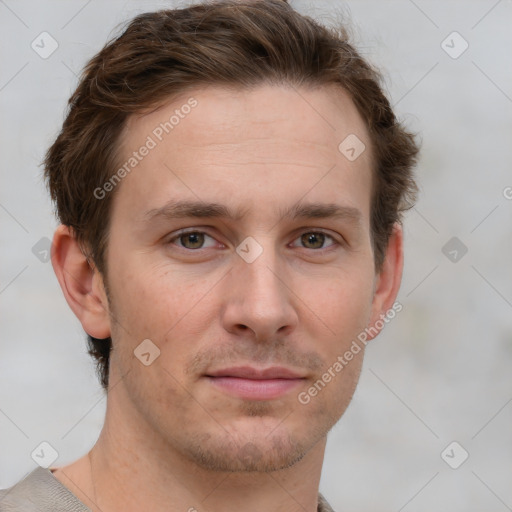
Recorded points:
(194, 238)
(311, 237)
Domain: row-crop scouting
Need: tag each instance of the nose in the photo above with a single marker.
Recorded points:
(259, 298)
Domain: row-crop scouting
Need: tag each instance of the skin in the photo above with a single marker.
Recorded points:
(172, 440)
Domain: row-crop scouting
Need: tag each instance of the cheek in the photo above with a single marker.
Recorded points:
(344, 304)
(152, 300)
(148, 304)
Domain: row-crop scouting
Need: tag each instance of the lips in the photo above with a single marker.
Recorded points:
(249, 372)
(255, 384)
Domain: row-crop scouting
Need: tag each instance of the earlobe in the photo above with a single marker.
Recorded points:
(388, 280)
(81, 283)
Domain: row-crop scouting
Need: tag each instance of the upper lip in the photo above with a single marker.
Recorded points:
(249, 372)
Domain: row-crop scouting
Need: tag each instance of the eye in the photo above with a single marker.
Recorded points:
(315, 239)
(191, 239)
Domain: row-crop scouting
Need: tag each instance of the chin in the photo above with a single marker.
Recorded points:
(250, 457)
(252, 448)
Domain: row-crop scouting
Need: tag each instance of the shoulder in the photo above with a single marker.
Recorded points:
(323, 505)
(39, 491)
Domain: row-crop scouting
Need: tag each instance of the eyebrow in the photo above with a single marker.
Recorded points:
(180, 209)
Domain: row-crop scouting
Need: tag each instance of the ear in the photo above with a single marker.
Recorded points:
(387, 282)
(81, 283)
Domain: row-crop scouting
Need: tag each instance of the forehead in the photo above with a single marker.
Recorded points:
(323, 115)
(224, 141)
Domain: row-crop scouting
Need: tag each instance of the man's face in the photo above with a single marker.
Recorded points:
(295, 295)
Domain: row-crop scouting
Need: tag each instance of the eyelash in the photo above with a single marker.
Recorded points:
(190, 231)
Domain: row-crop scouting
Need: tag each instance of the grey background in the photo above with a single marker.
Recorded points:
(440, 371)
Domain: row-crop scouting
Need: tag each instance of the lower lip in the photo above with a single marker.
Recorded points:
(265, 389)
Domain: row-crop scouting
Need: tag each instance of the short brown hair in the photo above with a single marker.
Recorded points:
(234, 43)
